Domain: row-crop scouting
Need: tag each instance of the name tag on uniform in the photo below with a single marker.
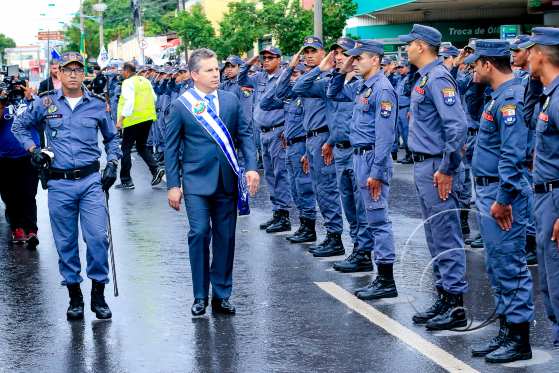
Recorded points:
(487, 116)
(53, 116)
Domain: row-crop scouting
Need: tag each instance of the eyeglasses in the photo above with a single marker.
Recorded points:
(268, 58)
(66, 71)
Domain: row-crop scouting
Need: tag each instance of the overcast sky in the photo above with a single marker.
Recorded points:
(21, 19)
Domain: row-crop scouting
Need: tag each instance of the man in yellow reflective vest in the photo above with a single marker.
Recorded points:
(136, 113)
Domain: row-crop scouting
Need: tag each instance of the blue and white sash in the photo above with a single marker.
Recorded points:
(215, 127)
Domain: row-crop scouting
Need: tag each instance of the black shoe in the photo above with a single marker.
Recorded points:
(381, 287)
(333, 247)
(452, 316)
(321, 245)
(531, 257)
(357, 261)
(98, 304)
(273, 220)
(464, 222)
(494, 343)
(516, 345)
(125, 186)
(158, 176)
(394, 156)
(305, 233)
(477, 243)
(75, 309)
(429, 313)
(223, 306)
(199, 306)
(282, 224)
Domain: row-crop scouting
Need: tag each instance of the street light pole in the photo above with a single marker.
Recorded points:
(100, 8)
(318, 18)
(137, 12)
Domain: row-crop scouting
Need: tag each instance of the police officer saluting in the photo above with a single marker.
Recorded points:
(502, 194)
(544, 64)
(437, 134)
(72, 118)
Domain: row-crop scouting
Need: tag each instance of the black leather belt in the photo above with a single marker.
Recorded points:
(486, 180)
(472, 131)
(546, 187)
(343, 145)
(295, 140)
(74, 174)
(268, 129)
(317, 132)
(420, 157)
(359, 150)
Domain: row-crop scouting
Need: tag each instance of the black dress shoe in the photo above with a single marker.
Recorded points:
(75, 309)
(98, 304)
(199, 306)
(223, 306)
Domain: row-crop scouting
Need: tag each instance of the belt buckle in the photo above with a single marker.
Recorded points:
(76, 174)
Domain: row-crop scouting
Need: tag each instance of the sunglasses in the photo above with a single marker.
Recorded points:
(67, 71)
(268, 58)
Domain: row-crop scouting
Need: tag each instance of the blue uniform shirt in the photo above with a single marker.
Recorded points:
(546, 164)
(312, 88)
(502, 140)
(71, 135)
(374, 116)
(262, 82)
(438, 123)
(403, 98)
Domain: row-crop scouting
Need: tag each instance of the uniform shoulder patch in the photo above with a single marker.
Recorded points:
(509, 114)
(449, 95)
(423, 81)
(385, 109)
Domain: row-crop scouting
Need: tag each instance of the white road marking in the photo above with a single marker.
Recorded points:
(391, 326)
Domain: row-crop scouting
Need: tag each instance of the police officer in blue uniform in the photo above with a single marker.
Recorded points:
(72, 118)
(437, 134)
(502, 193)
(294, 139)
(372, 129)
(271, 126)
(448, 53)
(403, 91)
(544, 64)
(320, 156)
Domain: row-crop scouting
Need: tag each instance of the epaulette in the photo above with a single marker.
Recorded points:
(52, 91)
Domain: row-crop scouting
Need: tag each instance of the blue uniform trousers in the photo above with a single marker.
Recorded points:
(531, 226)
(211, 219)
(301, 183)
(547, 212)
(352, 203)
(505, 256)
(376, 212)
(273, 157)
(324, 184)
(442, 228)
(69, 200)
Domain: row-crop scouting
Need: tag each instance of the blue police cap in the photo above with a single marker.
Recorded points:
(272, 50)
(344, 43)
(366, 45)
(514, 44)
(542, 36)
(428, 34)
(403, 62)
(313, 42)
(449, 51)
(387, 60)
(183, 68)
(69, 57)
(489, 48)
(234, 60)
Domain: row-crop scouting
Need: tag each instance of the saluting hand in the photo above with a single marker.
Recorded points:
(503, 215)
(174, 196)
(253, 181)
(328, 62)
(347, 66)
(443, 183)
(295, 59)
(253, 60)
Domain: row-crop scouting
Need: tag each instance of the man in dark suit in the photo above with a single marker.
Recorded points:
(52, 82)
(209, 182)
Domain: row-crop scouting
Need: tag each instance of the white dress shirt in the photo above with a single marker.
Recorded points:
(215, 100)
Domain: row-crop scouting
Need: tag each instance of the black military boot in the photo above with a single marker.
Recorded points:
(75, 309)
(429, 313)
(531, 258)
(98, 304)
(332, 248)
(452, 316)
(306, 232)
(464, 222)
(494, 343)
(273, 220)
(321, 245)
(357, 261)
(382, 287)
(283, 224)
(516, 345)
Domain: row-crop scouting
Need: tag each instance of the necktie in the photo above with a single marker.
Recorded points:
(210, 99)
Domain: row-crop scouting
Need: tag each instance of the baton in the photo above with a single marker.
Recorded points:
(111, 248)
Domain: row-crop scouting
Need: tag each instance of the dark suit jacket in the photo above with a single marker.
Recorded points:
(46, 85)
(202, 159)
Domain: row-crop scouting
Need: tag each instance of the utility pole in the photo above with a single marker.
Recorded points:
(318, 18)
(137, 12)
(100, 8)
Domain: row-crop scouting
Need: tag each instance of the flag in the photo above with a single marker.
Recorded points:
(54, 55)
(103, 59)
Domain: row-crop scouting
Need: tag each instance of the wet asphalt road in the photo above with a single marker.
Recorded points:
(285, 322)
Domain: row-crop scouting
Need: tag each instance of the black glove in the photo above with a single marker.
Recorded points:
(39, 159)
(109, 175)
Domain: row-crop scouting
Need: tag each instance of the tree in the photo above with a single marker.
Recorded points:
(334, 16)
(239, 29)
(194, 29)
(5, 42)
